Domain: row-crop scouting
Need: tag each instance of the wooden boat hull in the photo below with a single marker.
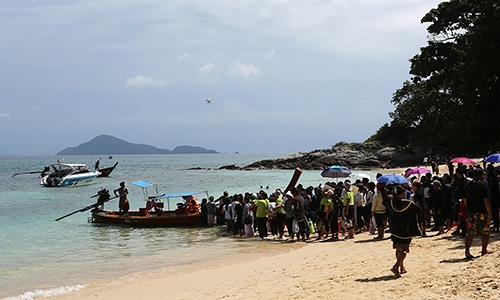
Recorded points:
(142, 219)
(106, 171)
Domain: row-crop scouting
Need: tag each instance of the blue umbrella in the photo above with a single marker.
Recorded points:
(493, 158)
(393, 179)
(336, 172)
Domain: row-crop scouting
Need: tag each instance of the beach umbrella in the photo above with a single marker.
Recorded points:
(463, 160)
(417, 170)
(360, 176)
(336, 172)
(393, 179)
(493, 158)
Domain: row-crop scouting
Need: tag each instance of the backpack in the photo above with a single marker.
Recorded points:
(248, 219)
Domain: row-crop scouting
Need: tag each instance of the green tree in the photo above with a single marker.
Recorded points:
(452, 99)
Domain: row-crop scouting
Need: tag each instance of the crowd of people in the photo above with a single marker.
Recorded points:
(332, 209)
(466, 199)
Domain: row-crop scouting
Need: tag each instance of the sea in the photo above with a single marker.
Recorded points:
(41, 257)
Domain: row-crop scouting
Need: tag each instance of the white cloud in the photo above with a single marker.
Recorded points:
(142, 81)
(208, 70)
(34, 108)
(347, 54)
(242, 70)
(184, 56)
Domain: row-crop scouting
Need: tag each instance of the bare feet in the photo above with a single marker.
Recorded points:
(396, 272)
(487, 252)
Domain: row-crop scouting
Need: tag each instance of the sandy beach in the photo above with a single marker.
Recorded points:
(360, 267)
(326, 269)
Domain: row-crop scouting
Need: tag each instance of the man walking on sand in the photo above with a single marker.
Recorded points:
(404, 225)
(478, 213)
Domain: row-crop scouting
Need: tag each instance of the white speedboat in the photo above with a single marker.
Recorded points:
(61, 174)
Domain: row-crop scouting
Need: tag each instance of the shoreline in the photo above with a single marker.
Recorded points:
(436, 266)
(316, 270)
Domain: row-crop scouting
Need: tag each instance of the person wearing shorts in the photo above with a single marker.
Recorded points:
(479, 213)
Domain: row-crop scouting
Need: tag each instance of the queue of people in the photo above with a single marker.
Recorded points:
(335, 208)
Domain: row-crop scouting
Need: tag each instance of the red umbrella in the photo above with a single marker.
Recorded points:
(418, 170)
(463, 160)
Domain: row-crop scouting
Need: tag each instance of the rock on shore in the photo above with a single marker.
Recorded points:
(373, 155)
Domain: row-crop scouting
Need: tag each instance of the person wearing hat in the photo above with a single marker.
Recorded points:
(289, 214)
(437, 201)
(325, 214)
(404, 225)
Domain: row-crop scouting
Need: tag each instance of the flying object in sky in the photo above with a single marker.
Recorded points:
(209, 100)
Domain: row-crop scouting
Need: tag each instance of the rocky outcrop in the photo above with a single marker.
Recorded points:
(373, 155)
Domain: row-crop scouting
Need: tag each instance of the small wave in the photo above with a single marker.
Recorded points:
(46, 293)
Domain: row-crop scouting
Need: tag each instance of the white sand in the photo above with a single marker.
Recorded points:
(358, 267)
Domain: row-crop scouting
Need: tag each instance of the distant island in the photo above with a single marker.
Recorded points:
(107, 144)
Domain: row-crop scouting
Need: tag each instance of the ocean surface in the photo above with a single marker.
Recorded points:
(41, 257)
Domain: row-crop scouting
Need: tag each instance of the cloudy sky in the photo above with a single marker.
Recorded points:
(285, 76)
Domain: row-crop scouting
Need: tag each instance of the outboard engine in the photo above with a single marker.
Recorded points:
(46, 170)
(103, 196)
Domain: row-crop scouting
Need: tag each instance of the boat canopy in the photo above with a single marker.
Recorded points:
(187, 194)
(142, 183)
(72, 166)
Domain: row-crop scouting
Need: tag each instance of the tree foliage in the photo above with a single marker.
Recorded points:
(452, 99)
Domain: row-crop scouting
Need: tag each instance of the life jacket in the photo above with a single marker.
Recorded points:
(193, 206)
(125, 205)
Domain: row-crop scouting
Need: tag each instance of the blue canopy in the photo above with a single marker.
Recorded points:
(142, 183)
(176, 195)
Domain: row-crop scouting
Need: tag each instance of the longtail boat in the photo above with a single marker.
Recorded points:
(185, 214)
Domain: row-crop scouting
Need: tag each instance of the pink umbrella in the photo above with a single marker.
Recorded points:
(463, 160)
(418, 170)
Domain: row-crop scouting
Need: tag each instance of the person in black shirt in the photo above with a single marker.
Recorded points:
(299, 214)
(418, 198)
(478, 213)
(495, 195)
(437, 201)
(404, 225)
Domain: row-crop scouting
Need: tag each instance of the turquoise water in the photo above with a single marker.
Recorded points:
(42, 257)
